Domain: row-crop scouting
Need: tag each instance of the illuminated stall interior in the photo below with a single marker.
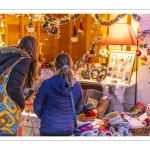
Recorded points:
(57, 37)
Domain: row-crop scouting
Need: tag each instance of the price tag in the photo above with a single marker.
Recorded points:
(46, 73)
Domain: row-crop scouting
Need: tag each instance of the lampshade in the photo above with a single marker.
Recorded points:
(121, 34)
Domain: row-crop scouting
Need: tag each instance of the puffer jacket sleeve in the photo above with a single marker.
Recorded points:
(79, 101)
(40, 100)
(17, 77)
(79, 104)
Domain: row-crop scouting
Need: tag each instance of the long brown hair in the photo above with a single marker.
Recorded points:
(63, 66)
(29, 44)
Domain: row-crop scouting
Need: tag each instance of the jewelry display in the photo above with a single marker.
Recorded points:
(120, 65)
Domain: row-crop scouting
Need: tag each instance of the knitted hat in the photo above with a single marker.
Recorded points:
(112, 115)
(123, 129)
(113, 131)
(77, 131)
(93, 132)
(116, 120)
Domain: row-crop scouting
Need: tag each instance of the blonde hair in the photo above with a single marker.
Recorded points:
(63, 67)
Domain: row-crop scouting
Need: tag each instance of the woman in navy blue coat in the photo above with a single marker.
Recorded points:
(53, 101)
(24, 70)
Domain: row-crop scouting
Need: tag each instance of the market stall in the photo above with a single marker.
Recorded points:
(113, 75)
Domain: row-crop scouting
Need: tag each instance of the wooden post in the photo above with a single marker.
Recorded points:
(55, 45)
(128, 21)
(70, 34)
(6, 29)
(88, 30)
(38, 31)
(21, 21)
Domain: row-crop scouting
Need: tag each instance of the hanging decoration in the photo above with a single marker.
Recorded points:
(80, 31)
(97, 40)
(136, 17)
(52, 24)
(138, 53)
(144, 60)
(74, 37)
(143, 34)
(108, 23)
(103, 53)
(114, 20)
(31, 29)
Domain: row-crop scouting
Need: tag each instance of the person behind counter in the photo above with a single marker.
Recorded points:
(52, 103)
(21, 76)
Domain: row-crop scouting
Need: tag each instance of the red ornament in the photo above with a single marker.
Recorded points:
(81, 27)
(148, 51)
(89, 59)
(138, 53)
(42, 65)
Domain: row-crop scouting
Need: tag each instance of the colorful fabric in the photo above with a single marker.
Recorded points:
(10, 113)
(90, 113)
(115, 121)
(123, 129)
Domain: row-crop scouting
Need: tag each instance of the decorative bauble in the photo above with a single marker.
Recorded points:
(74, 39)
(31, 28)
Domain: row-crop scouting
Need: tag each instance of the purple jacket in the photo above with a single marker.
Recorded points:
(53, 105)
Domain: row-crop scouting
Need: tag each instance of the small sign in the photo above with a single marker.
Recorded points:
(46, 73)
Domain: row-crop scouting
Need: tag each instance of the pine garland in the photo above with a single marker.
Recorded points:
(115, 20)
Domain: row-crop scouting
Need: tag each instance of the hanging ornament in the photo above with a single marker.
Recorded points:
(138, 53)
(31, 27)
(148, 51)
(74, 38)
(80, 31)
(143, 60)
(52, 29)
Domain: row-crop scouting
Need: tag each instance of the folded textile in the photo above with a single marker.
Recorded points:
(112, 115)
(113, 131)
(86, 128)
(77, 131)
(123, 129)
(115, 121)
(93, 132)
(134, 123)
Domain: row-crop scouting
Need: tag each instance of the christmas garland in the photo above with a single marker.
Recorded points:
(52, 24)
(144, 33)
(115, 20)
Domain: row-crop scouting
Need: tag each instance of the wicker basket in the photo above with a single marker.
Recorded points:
(85, 119)
(144, 131)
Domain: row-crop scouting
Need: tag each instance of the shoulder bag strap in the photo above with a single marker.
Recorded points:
(73, 107)
(10, 67)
